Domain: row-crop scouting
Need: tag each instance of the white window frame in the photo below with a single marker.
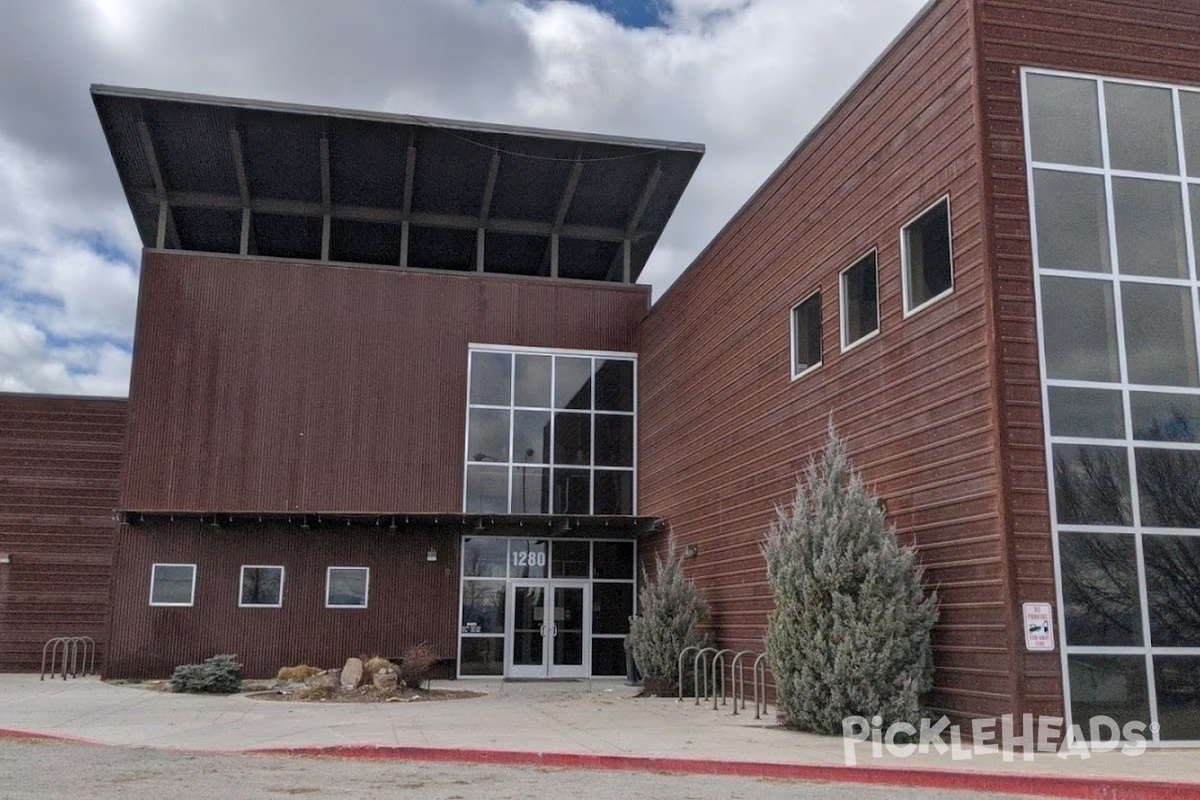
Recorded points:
(242, 581)
(906, 280)
(844, 324)
(792, 335)
(192, 596)
(366, 587)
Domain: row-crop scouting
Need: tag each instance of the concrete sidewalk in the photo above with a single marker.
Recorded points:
(592, 724)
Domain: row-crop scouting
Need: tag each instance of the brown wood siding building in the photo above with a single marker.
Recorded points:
(1115, 38)
(61, 460)
(275, 386)
(725, 429)
(410, 600)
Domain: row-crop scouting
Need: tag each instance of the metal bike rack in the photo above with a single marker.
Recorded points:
(683, 653)
(76, 652)
(719, 660)
(697, 674)
(760, 668)
(739, 679)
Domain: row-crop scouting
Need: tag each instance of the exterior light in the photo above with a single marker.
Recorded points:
(692, 550)
(5, 558)
(431, 555)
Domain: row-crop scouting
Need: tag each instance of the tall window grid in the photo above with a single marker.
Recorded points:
(1114, 176)
(550, 432)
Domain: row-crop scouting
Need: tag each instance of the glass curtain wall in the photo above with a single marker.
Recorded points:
(1114, 177)
(550, 433)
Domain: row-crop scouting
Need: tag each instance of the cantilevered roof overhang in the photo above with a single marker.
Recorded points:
(224, 175)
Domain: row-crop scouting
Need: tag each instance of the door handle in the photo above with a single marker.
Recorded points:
(542, 631)
(554, 630)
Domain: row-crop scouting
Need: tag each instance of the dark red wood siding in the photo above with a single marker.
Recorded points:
(60, 460)
(410, 600)
(1119, 38)
(725, 431)
(263, 385)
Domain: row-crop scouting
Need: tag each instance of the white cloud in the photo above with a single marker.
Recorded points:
(746, 77)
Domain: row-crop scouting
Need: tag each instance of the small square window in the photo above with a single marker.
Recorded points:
(346, 587)
(806, 335)
(172, 584)
(261, 586)
(926, 252)
(860, 300)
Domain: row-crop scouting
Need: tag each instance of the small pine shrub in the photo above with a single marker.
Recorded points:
(417, 665)
(850, 631)
(296, 674)
(673, 615)
(218, 675)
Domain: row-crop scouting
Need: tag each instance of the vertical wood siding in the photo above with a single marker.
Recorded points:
(60, 459)
(410, 600)
(1120, 38)
(278, 386)
(725, 431)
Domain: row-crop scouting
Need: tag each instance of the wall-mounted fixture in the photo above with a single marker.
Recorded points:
(691, 550)
(5, 558)
(431, 555)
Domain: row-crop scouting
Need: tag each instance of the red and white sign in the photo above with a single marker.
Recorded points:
(1039, 627)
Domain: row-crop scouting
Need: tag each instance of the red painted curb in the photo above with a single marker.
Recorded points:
(1043, 785)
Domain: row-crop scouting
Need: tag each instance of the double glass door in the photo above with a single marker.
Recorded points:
(549, 627)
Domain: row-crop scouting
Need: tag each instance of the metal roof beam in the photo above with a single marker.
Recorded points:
(166, 220)
(564, 203)
(620, 263)
(239, 165)
(395, 216)
(326, 198)
(410, 168)
(489, 188)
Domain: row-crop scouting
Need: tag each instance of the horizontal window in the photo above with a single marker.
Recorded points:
(172, 584)
(261, 586)
(346, 587)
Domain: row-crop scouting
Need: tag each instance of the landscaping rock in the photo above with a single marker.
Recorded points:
(323, 680)
(352, 673)
(386, 680)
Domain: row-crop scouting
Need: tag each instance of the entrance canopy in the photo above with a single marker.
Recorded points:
(237, 176)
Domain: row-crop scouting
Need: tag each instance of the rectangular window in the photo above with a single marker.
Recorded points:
(550, 432)
(926, 253)
(172, 584)
(261, 586)
(346, 587)
(1111, 167)
(806, 335)
(860, 300)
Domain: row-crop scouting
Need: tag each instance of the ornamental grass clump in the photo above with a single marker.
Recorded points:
(849, 635)
(673, 615)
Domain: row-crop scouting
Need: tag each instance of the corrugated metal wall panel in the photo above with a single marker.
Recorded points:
(410, 600)
(725, 432)
(1123, 38)
(60, 460)
(281, 386)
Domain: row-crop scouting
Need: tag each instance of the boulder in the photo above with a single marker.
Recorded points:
(352, 673)
(323, 680)
(386, 680)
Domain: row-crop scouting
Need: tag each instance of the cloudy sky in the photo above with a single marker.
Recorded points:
(748, 78)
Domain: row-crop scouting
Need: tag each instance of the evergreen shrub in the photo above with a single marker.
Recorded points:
(850, 631)
(673, 615)
(220, 674)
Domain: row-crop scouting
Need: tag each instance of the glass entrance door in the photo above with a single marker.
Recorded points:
(548, 630)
